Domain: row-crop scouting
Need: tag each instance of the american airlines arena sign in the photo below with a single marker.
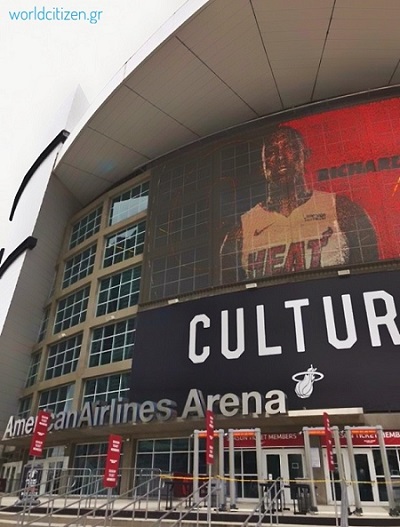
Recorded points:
(117, 412)
(324, 343)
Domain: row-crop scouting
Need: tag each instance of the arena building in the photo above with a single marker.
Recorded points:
(220, 230)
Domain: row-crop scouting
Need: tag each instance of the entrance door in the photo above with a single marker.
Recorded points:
(366, 477)
(51, 474)
(286, 464)
(11, 472)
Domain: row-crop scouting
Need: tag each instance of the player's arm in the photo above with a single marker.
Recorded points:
(230, 256)
(359, 231)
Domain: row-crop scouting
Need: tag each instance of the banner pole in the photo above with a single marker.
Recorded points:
(209, 496)
(109, 495)
(332, 475)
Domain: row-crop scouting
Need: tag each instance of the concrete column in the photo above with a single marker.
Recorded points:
(393, 511)
(309, 469)
(196, 466)
(221, 470)
(127, 465)
(353, 470)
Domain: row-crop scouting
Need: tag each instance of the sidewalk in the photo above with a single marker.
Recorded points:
(150, 510)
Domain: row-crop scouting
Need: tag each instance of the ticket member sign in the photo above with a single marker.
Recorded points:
(39, 433)
(110, 479)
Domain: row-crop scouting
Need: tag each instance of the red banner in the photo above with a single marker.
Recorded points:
(329, 442)
(110, 479)
(210, 437)
(39, 433)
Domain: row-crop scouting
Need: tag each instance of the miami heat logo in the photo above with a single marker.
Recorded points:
(305, 381)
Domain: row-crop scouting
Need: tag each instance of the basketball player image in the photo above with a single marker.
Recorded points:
(295, 228)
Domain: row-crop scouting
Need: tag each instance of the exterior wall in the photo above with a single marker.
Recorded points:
(83, 372)
(166, 243)
(34, 285)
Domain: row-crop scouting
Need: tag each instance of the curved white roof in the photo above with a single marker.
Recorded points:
(219, 63)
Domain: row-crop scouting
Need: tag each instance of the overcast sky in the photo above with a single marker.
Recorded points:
(42, 63)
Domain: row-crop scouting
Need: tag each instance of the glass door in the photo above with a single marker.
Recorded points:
(394, 468)
(286, 464)
(273, 466)
(295, 470)
(11, 472)
(51, 475)
(366, 477)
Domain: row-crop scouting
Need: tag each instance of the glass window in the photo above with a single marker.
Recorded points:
(79, 266)
(106, 388)
(245, 472)
(112, 343)
(71, 310)
(129, 203)
(119, 291)
(58, 399)
(88, 465)
(124, 244)
(33, 369)
(63, 357)
(168, 455)
(25, 406)
(90, 456)
(86, 227)
(43, 325)
(182, 223)
(180, 273)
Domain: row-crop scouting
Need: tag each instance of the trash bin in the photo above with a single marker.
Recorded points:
(214, 493)
(302, 498)
(396, 491)
(183, 484)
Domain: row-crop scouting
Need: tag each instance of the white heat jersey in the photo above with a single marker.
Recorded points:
(309, 238)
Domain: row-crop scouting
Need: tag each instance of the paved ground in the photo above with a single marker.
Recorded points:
(371, 516)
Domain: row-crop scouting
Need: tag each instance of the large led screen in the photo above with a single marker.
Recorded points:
(328, 343)
(277, 197)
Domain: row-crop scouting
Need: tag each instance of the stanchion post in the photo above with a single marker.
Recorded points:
(309, 469)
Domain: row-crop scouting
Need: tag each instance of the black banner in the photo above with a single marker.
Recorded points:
(325, 343)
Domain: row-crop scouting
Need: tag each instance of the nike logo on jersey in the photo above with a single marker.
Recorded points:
(257, 232)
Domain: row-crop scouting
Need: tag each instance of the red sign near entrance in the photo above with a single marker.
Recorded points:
(110, 479)
(329, 443)
(271, 440)
(39, 433)
(210, 437)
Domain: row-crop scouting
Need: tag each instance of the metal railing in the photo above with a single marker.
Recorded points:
(66, 482)
(135, 496)
(269, 504)
(27, 503)
(197, 500)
